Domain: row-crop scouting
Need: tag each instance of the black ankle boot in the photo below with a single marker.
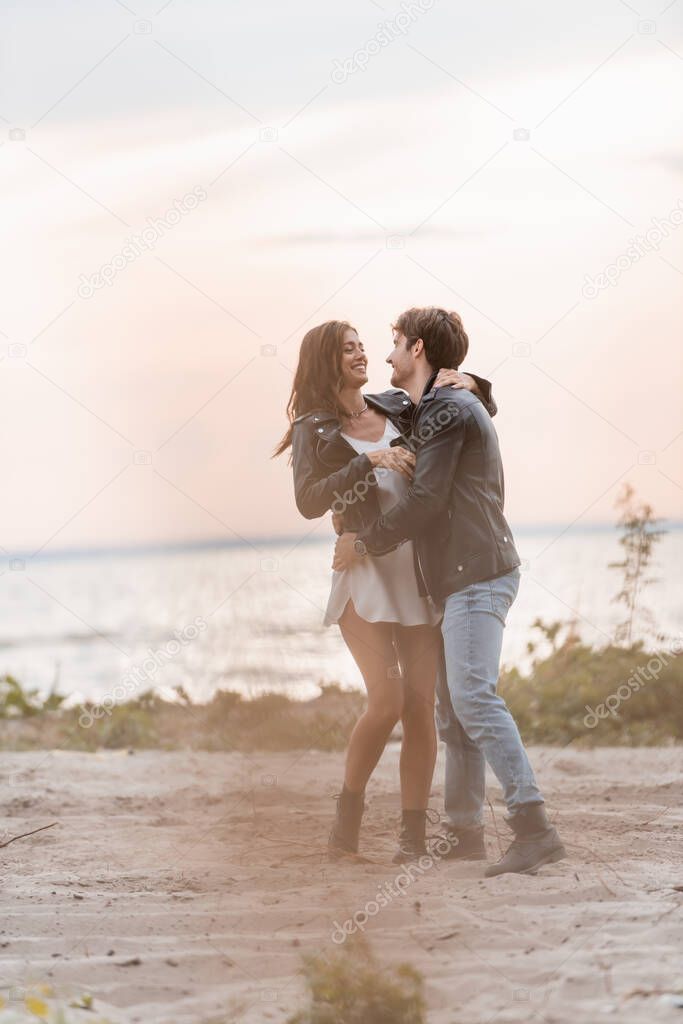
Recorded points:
(536, 843)
(411, 840)
(346, 828)
(461, 843)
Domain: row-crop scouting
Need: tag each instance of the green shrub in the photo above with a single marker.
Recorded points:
(350, 987)
(554, 701)
(551, 702)
(18, 702)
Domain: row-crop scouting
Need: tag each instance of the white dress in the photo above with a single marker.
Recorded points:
(383, 588)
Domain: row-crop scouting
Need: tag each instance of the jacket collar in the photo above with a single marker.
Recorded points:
(325, 424)
(429, 393)
(393, 403)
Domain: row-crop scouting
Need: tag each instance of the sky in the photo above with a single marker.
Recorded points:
(190, 187)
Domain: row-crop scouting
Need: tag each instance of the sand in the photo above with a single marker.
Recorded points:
(184, 887)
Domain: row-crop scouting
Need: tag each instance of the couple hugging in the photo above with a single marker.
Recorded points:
(425, 572)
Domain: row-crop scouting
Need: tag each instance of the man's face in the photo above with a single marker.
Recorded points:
(402, 362)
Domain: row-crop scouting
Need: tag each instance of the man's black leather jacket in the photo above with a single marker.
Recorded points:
(453, 508)
(328, 473)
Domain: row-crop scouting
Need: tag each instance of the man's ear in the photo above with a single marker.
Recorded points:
(418, 348)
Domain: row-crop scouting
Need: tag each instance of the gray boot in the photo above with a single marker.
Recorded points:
(536, 843)
(411, 840)
(346, 829)
(464, 843)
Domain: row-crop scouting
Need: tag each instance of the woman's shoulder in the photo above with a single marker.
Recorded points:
(392, 402)
(315, 416)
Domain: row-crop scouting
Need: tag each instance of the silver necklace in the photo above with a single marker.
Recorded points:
(357, 415)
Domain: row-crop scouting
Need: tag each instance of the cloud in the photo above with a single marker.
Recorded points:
(346, 237)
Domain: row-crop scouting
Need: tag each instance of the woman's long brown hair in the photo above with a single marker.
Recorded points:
(318, 377)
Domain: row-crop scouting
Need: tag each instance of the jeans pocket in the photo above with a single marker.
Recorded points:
(503, 592)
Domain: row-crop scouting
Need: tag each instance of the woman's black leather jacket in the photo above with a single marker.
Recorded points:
(328, 473)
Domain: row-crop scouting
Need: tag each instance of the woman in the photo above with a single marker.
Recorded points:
(343, 462)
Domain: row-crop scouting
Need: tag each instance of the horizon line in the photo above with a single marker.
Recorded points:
(273, 540)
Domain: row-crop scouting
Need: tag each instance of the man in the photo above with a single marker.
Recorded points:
(466, 557)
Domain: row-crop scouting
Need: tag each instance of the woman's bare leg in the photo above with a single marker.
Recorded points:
(419, 649)
(372, 646)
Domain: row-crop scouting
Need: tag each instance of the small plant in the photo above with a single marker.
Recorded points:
(553, 634)
(18, 702)
(639, 536)
(40, 1004)
(642, 690)
(351, 987)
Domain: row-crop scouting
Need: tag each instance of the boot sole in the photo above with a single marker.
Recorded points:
(349, 856)
(338, 853)
(552, 858)
(408, 858)
(559, 853)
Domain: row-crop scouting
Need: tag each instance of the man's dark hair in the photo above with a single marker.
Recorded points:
(442, 332)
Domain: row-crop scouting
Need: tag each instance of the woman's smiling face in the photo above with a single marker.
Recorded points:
(354, 361)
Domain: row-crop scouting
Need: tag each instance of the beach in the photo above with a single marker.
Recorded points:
(186, 887)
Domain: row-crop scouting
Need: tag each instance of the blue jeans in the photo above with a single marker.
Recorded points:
(472, 718)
